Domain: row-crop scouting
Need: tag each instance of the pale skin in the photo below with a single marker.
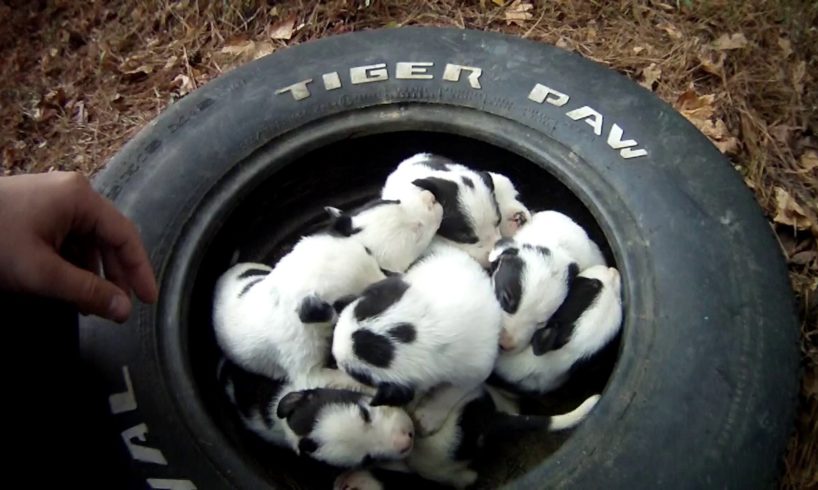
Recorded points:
(45, 218)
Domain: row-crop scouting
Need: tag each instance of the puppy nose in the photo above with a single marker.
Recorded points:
(507, 342)
(428, 198)
(404, 441)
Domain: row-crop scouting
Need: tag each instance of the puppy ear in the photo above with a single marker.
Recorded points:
(393, 395)
(313, 309)
(573, 272)
(343, 302)
(289, 403)
(307, 446)
(544, 340)
(341, 223)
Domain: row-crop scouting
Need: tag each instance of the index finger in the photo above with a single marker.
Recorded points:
(118, 234)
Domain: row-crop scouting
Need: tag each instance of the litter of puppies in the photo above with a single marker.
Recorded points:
(372, 343)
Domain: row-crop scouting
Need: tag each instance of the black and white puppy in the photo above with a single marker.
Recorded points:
(553, 229)
(474, 423)
(278, 322)
(585, 323)
(429, 336)
(395, 231)
(338, 427)
(530, 283)
(471, 214)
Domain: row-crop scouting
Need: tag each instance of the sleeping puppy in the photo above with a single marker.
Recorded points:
(278, 322)
(530, 283)
(471, 214)
(514, 213)
(338, 427)
(553, 230)
(474, 424)
(585, 323)
(395, 231)
(429, 336)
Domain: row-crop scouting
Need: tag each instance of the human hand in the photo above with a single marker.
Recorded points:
(43, 215)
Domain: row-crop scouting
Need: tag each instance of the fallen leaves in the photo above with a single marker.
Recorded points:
(727, 42)
(700, 110)
(239, 51)
(808, 161)
(788, 212)
(283, 30)
(650, 75)
(518, 12)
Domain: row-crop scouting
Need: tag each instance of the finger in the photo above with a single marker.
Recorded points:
(60, 279)
(113, 271)
(116, 232)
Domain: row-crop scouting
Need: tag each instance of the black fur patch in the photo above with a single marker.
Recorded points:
(302, 408)
(467, 182)
(249, 285)
(368, 251)
(544, 251)
(365, 416)
(455, 224)
(508, 286)
(342, 226)
(373, 348)
(573, 272)
(378, 297)
(253, 273)
(315, 310)
(251, 391)
(307, 446)
(486, 178)
(472, 423)
(393, 395)
(560, 327)
(343, 302)
(404, 332)
(436, 162)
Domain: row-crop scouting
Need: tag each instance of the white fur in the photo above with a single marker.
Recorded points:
(261, 331)
(397, 234)
(594, 328)
(555, 230)
(452, 307)
(342, 436)
(545, 284)
(514, 213)
(433, 456)
(477, 203)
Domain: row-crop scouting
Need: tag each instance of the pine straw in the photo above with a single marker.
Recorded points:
(78, 80)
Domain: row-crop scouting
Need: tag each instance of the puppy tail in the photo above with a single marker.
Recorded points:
(574, 417)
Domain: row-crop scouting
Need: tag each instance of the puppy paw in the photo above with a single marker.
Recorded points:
(356, 480)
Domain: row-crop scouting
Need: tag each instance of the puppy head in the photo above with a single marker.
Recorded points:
(341, 428)
(589, 316)
(530, 283)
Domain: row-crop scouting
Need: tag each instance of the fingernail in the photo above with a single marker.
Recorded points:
(120, 308)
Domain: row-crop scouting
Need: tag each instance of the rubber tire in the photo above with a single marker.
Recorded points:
(704, 391)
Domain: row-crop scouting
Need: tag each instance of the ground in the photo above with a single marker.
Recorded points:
(78, 79)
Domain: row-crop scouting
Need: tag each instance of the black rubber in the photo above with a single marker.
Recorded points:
(703, 393)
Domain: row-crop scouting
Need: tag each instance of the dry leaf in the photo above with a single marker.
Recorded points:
(638, 49)
(699, 110)
(499, 3)
(781, 133)
(183, 83)
(788, 211)
(248, 50)
(809, 161)
(650, 75)
(137, 74)
(283, 30)
(734, 41)
(518, 12)
(804, 258)
(785, 46)
(671, 30)
(714, 67)
(798, 76)
(563, 43)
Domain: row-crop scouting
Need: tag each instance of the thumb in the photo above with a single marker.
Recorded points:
(89, 292)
